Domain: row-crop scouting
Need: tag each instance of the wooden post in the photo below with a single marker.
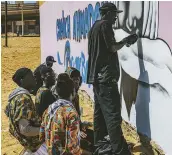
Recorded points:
(6, 37)
(12, 27)
(22, 22)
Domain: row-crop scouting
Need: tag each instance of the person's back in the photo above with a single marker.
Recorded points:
(60, 122)
(62, 127)
(103, 65)
(43, 99)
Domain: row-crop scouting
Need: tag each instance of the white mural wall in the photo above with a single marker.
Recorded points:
(146, 66)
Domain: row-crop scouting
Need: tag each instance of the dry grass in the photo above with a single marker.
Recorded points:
(26, 52)
(21, 52)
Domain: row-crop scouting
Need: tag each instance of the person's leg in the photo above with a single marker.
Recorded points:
(88, 142)
(100, 129)
(90, 136)
(111, 109)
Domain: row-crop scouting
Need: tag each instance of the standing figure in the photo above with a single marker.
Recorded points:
(103, 73)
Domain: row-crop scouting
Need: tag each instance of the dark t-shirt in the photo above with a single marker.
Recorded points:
(103, 65)
(37, 75)
(43, 99)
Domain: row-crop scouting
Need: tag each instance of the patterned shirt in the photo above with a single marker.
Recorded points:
(61, 131)
(22, 107)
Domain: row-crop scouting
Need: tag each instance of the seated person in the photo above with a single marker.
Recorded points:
(87, 135)
(44, 96)
(24, 124)
(60, 127)
(39, 82)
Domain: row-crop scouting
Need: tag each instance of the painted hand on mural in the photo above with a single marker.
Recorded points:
(157, 64)
(146, 81)
(141, 15)
(146, 87)
(141, 56)
(146, 65)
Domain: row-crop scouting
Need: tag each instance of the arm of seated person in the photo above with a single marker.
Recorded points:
(26, 129)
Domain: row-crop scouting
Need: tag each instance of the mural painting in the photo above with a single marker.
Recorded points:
(146, 67)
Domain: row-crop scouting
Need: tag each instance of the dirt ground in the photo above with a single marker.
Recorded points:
(25, 52)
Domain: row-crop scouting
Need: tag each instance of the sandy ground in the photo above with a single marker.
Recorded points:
(26, 52)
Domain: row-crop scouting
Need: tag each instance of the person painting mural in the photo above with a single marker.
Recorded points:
(103, 73)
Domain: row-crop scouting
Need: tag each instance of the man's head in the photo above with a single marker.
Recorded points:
(65, 87)
(48, 76)
(49, 61)
(109, 12)
(23, 77)
(74, 74)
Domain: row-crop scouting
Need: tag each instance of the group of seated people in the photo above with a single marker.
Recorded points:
(52, 124)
